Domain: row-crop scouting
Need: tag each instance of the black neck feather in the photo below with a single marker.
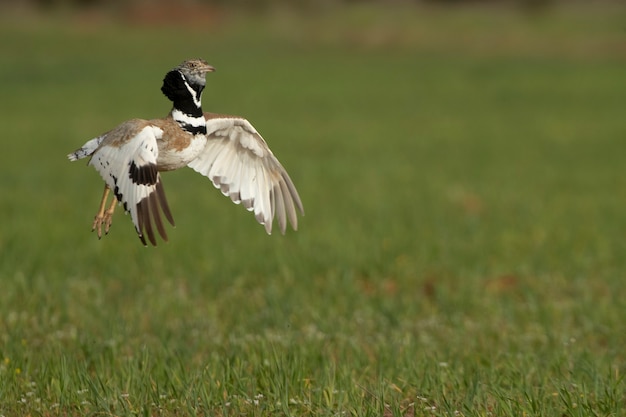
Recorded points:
(176, 88)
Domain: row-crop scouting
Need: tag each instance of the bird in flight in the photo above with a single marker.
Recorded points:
(226, 149)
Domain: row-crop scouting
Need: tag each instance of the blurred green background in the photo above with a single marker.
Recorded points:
(462, 252)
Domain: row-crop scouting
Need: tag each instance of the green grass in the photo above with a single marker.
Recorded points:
(462, 251)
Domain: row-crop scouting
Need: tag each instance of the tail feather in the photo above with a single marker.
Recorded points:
(86, 150)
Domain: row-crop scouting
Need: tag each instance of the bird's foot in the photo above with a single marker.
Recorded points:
(105, 218)
(97, 225)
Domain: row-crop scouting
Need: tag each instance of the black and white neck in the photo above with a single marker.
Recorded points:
(185, 92)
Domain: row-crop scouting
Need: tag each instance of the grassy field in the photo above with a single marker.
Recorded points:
(463, 251)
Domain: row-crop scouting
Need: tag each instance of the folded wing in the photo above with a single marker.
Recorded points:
(241, 165)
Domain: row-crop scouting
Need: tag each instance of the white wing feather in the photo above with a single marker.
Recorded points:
(239, 163)
(127, 160)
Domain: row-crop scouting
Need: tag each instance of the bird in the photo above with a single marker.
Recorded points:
(226, 149)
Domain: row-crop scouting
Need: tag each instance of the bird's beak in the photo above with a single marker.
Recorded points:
(208, 68)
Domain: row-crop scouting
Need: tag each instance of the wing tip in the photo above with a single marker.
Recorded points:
(149, 216)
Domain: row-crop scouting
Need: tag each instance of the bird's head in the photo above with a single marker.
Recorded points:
(187, 79)
(194, 71)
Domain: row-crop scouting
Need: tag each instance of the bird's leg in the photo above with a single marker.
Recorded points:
(100, 217)
(108, 215)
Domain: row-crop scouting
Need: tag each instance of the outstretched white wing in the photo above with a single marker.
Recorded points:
(126, 158)
(241, 165)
